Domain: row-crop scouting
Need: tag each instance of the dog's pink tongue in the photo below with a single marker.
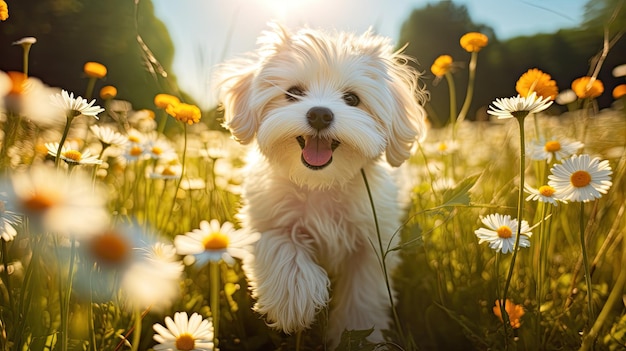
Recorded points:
(317, 151)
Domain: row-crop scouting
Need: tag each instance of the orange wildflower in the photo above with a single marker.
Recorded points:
(165, 100)
(514, 311)
(95, 70)
(108, 92)
(619, 91)
(442, 65)
(534, 80)
(585, 88)
(473, 41)
(185, 113)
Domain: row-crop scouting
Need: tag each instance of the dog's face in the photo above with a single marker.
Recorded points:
(323, 105)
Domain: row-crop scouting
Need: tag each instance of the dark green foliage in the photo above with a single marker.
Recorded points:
(72, 32)
(566, 55)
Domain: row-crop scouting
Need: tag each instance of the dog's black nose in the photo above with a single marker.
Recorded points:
(319, 117)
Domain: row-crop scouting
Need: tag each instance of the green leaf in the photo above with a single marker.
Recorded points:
(353, 340)
(459, 195)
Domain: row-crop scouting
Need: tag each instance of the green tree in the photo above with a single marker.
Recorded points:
(566, 54)
(123, 35)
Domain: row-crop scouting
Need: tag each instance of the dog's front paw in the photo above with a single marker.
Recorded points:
(290, 289)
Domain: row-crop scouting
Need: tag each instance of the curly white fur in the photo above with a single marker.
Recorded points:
(314, 211)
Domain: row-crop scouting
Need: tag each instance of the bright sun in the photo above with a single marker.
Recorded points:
(283, 9)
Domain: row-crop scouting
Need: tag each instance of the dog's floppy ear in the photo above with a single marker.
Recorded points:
(408, 116)
(235, 82)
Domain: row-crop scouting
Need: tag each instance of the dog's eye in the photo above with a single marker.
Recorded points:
(293, 93)
(351, 99)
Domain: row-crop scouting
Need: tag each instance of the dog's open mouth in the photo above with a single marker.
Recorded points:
(317, 152)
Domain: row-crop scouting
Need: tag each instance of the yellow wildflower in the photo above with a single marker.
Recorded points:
(108, 92)
(185, 113)
(95, 70)
(165, 100)
(4, 10)
(535, 80)
(585, 88)
(514, 311)
(442, 65)
(473, 41)
(619, 91)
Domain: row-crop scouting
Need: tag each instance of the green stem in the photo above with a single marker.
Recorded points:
(182, 173)
(214, 272)
(26, 48)
(137, 330)
(520, 212)
(92, 328)
(7, 282)
(383, 261)
(614, 298)
(66, 130)
(65, 313)
(470, 87)
(452, 94)
(541, 267)
(90, 86)
(586, 263)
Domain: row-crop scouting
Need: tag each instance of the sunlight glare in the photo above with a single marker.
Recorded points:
(281, 9)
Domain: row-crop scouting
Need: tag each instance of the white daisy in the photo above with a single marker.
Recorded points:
(566, 97)
(559, 148)
(108, 137)
(164, 171)
(619, 71)
(580, 178)
(73, 157)
(545, 193)
(518, 106)
(8, 221)
(445, 147)
(213, 242)
(501, 232)
(76, 106)
(56, 202)
(160, 149)
(182, 334)
(153, 280)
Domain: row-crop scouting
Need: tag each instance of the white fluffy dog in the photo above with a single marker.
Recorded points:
(322, 107)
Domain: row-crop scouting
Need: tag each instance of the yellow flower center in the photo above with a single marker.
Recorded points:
(442, 147)
(580, 179)
(552, 146)
(185, 342)
(504, 232)
(73, 155)
(135, 151)
(110, 248)
(134, 138)
(18, 80)
(546, 190)
(157, 150)
(215, 241)
(168, 171)
(40, 201)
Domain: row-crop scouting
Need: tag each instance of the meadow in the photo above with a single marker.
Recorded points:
(118, 225)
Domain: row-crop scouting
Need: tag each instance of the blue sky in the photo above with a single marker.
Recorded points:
(206, 32)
